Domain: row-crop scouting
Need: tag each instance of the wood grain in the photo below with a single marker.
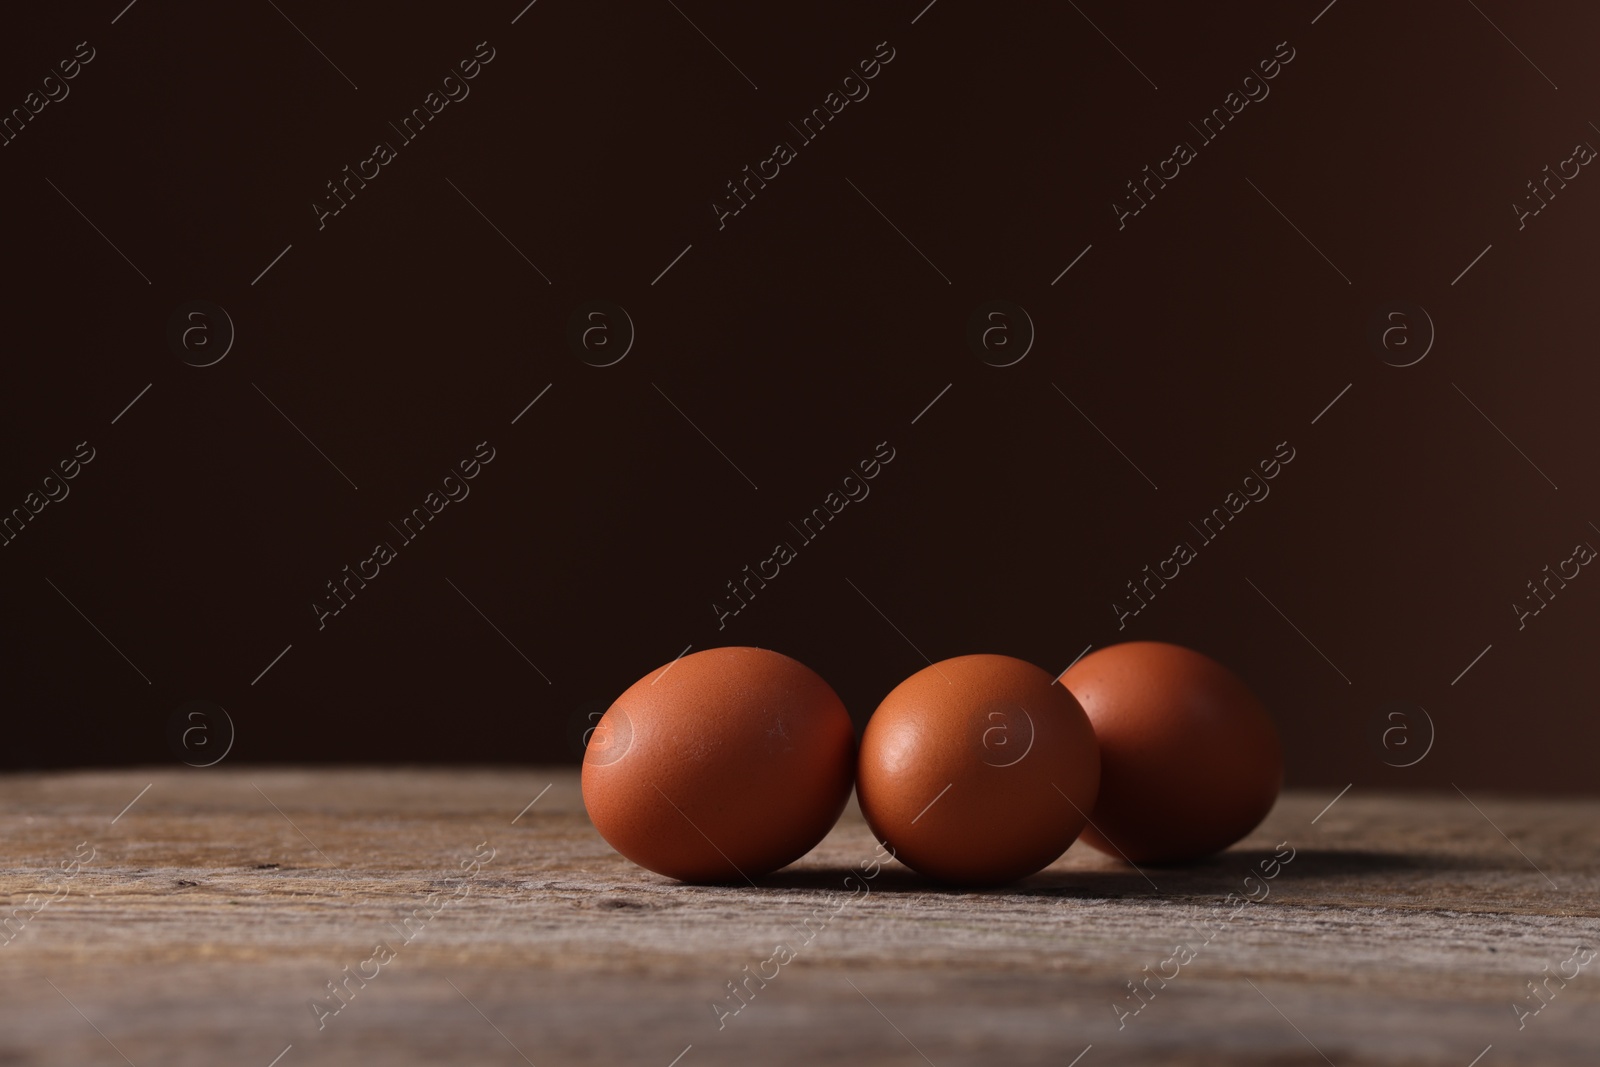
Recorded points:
(219, 905)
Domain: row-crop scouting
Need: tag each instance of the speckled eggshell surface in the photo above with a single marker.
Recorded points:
(1190, 759)
(977, 770)
(723, 765)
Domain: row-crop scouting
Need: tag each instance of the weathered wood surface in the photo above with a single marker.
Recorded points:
(218, 906)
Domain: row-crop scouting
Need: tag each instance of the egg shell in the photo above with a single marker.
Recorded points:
(724, 765)
(1190, 759)
(977, 770)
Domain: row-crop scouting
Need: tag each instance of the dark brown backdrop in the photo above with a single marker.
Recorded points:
(821, 320)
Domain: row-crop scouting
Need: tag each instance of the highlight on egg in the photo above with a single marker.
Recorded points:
(721, 766)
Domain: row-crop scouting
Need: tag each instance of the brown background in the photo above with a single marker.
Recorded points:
(797, 338)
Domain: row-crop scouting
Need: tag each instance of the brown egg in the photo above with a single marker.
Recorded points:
(721, 766)
(1189, 759)
(977, 770)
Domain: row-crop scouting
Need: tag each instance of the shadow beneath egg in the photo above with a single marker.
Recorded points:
(892, 877)
(1227, 871)
(1328, 862)
(1210, 876)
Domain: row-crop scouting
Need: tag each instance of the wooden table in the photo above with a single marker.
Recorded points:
(201, 922)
